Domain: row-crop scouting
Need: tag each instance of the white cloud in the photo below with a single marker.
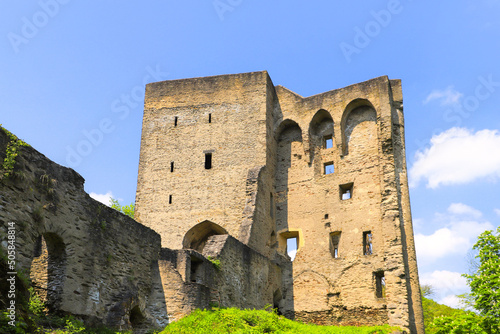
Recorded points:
(451, 301)
(455, 238)
(497, 211)
(446, 285)
(463, 209)
(458, 156)
(444, 280)
(103, 198)
(292, 254)
(446, 97)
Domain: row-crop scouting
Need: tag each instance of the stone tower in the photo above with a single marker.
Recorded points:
(233, 154)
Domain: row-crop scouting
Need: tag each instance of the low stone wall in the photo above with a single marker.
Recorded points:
(87, 259)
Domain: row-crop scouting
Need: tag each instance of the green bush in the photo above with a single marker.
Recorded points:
(232, 320)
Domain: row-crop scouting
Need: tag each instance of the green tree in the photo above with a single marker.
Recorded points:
(485, 282)
(129, 210)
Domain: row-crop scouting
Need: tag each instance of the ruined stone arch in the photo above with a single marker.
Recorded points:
(357, 112)
(311, 291)
(289, 153)
(321, 125)
(288, 130)
(320, 129)
(197, 237)
(48, 268)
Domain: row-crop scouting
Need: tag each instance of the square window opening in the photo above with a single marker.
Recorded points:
(208, 160)
(326, 216)
(379, 284)
(346, 191)
(328, 168)
(328, 142)
(334, 244)
(367, 243)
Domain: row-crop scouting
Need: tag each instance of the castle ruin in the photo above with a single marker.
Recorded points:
(232, 167)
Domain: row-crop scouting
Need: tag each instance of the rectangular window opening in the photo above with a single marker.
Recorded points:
(326, 215)
(208, 160)
(175, 120)
(329, 169)
(334, 244)
(172, 167)
(367, 243)
(346, 191)
(379, 284)
(328, 142)
(196, 272)
(170, 199)
(209, 118)
(291, 247)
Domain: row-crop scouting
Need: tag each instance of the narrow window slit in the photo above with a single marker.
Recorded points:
(172, 167)
(175, 120)
(208, 160)
(209, 118)
(334, 244)
(367, 243)
(170, 199)
(379, 284)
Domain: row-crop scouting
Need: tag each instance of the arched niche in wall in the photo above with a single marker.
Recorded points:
(289, 153)
(48, 269)
(359, 127)
(197, 237)
(310, 291)
(320, 133)
(321, 126)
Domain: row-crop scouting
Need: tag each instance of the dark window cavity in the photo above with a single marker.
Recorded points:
(208, 160)
(379, 284)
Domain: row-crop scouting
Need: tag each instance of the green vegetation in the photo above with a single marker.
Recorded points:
(11, 153)
(484, 282)
(232, 320)
(215, 262)
(129, 210)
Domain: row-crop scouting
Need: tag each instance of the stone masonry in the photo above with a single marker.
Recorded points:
(231, 169)
(235, 155)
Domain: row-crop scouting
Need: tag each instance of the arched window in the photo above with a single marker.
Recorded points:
(359, 126)
(48, 269)
(197, 237)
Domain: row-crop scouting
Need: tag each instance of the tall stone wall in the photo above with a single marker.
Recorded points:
(185, 120)
(353, 248)
(85, 258)
(328, 170)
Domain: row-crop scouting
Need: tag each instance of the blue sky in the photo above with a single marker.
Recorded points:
(71, 70)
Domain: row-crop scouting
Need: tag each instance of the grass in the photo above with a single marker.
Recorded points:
(232, 320)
